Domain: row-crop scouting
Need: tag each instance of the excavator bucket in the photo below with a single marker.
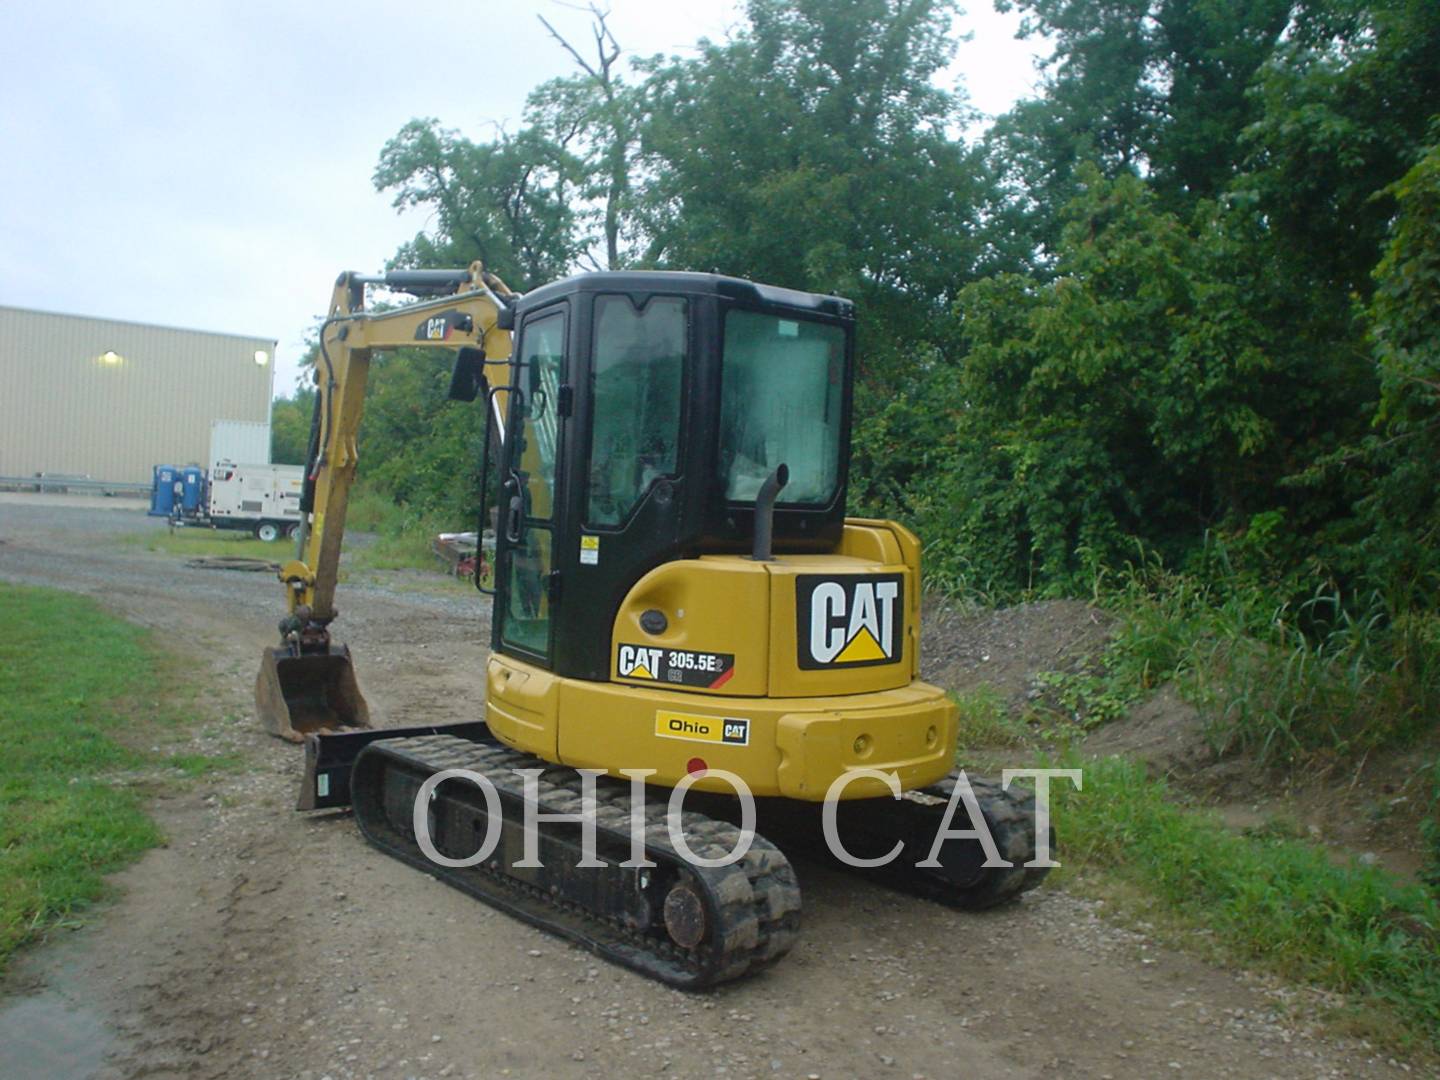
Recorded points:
(297, 695)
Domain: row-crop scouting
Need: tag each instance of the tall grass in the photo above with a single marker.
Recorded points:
(985, 721)
(1330, 677)
(403, 535)
(1430, 832)
(370, 511)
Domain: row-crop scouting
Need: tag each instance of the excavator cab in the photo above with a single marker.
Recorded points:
(650, 411)
(678, 588)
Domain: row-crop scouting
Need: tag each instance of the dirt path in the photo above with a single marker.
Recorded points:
(261, 943)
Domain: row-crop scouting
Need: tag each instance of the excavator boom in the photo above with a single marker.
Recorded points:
(307, 683)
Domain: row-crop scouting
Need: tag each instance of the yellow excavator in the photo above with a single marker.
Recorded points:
(678, 598)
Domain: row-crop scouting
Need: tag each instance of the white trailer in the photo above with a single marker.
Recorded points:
(264, 499)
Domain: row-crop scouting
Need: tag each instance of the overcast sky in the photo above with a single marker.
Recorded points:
(207, 165)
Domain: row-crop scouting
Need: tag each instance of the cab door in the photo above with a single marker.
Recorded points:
(531, 502)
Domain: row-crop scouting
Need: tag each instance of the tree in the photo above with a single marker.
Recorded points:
(417, 447)
(1346, 105)
(1403, 510)
(508, 203)
(1160, 88)
(815, 150)
(535, 205)
(1148, 392)
(290, 427)
(595, 116)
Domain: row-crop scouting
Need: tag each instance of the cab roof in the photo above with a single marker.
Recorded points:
(682, 281)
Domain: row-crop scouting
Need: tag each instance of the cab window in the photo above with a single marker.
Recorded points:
(639, 361)
(780, 403)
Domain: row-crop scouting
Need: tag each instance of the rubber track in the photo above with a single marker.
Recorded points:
(755, 901)
(1010, 815)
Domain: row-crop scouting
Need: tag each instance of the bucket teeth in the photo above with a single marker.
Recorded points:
(297, 695)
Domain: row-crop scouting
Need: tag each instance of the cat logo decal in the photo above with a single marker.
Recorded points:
(849, 620)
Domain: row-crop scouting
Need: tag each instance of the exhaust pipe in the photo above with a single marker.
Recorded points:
(765, 513)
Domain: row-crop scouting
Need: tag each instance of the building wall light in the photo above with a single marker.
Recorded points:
(110, 358)
(262, 357)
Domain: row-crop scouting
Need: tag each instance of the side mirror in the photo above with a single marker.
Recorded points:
(467, 379)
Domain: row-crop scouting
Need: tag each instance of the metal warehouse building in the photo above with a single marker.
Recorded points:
(110, 400)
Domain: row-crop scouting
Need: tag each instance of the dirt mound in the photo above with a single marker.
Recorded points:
(1004, 649)
(1164, 731)
(1007, 649)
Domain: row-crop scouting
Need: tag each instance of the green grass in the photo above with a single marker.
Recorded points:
(193, 543)
(1269, 900)
(69, 677)
(370, 511)
(406, 550)
(403, 536)
(985, 722)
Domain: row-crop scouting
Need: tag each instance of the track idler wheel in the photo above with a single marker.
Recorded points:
(685, 915)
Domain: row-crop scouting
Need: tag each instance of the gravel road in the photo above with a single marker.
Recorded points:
(261, 943)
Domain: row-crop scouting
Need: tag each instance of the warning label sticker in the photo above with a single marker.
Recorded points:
(681, 667)
(589, 550)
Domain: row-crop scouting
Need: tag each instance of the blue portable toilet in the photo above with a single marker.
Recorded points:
(193, 497)
(162, 490)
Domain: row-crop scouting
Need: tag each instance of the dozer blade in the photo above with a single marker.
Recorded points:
(298, 695)
(330, 758)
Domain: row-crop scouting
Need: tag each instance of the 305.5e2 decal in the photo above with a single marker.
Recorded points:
(679, 667)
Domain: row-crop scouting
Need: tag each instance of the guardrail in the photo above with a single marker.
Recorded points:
(67, 483)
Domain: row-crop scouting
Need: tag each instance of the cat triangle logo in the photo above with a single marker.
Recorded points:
(638, 662)
(862, 646)
(849, 619)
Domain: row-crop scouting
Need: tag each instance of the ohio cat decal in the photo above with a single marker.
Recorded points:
(849, 620)
(730, 730)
